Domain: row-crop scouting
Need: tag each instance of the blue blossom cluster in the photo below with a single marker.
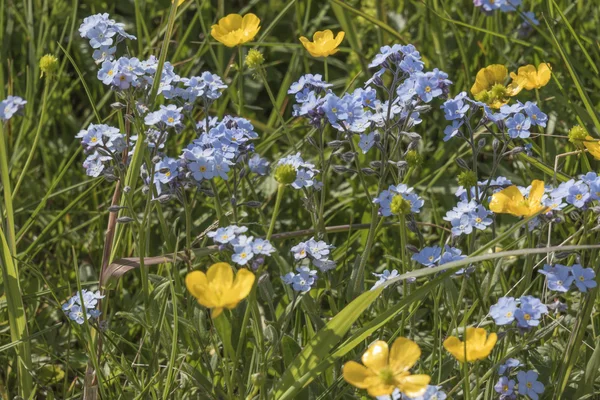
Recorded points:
(502, 5)
(316, 251)
(301, 281)
(360, 110)
(258, 165)
(305, 171)
(494, 184)
(560, 277)
(213, 153)
(395, 199)
(103, 144)
(11, 106)
(467, 216)
(245, 248)
(434, 257)
(578, 193)
(431, 393)
(528, 384)
(104, 34)
(517, 119)
(80, 303)
(527, 311)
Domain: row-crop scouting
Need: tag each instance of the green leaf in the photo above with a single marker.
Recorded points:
(320, 346)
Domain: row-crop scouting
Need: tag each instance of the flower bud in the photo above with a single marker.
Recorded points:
(413, 158)
(48, 66)
(467, 179)
(285, 174)
(577, 134)
(254, 59)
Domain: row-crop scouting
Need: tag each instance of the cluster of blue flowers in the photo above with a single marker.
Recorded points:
(431, 393)
(82, 303)
(517, 119)
(245, 248)
(11, 106)
(578, 193)
(388, 198)
(360, 110)
(103, 144)
(560, 277)
(434, 257)
(527, 311)
(528, 384)
(468, 215)
(316, 252)
(305, 171)
(104, 34)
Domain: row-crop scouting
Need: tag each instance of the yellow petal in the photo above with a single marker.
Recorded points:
(536, 192)
(489, 345)
(503, 200)
(339, 37)
(356, 374)
(242, 285)
(593, 147)
(380, 389)
(475, 337)
(403, 355)
(544, 73)
(197, 284)
(220, 280)
(414, 385)
(250, 27)
(216, 312)
(231, 22)
(455, 347)
(488, 77)
(376, 356)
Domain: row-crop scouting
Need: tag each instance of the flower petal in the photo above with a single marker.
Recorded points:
(356, 374)
(536, 192)
(544, 73)
(404, 355)
(455, 347)
(242, 285)
(220, 280)
(504, 200)
(376, 356)
(414, 385)
(197, 284)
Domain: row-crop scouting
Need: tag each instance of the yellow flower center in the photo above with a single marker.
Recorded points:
(110, 72)
(598, 194)
(244, 255)
(509, 314)
(578, 196)
(202, 168)
(334, 110)
(519, 127)
(529, 385)
(122, 78)
(581, 278)
(302, 252)
(430, 258)
(534, 116)
(224, 237)
(527, 317)
(505, 388)
(94, 139)
(428, 89)
(171, 120)
(387, 376)
(478, 220)
(168, 173)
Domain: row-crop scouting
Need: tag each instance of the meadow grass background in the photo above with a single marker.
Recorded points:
(158, 342)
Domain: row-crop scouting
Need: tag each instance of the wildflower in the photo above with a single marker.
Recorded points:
(510, 364)
(559, 277)
(529, 385)
(302, 281)
(233, 30)
(530, 312)
(518, 126)
(366, 142)
(503, 312)
(398, 199)
(262, 246)
(504, 386)
(529, 78)
(584, 278)
(217, 289)
(512, 201)
(48, 65)
(429, 256)
(167, 170)
(477, 346)
(456, 108)
(324, 43)
(489, 86)
(384, 277)
(383, 371)
(82, 303)
(258, 165)
(226, 234)
(11, 106)
(294, 170)
(427, 88)
(242, 255)
(578, 194)
(536, 116)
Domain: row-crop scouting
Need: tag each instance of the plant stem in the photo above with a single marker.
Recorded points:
(280, 190)
(240, 81)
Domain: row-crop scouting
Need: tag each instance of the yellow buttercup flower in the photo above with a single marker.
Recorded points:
(217, 289)
(530, 78)
(476, 347)
(383, 371)
(593, 147)
(489, 86)
(323, 44)
(512, 201)
(234, 30)
(179, 3)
